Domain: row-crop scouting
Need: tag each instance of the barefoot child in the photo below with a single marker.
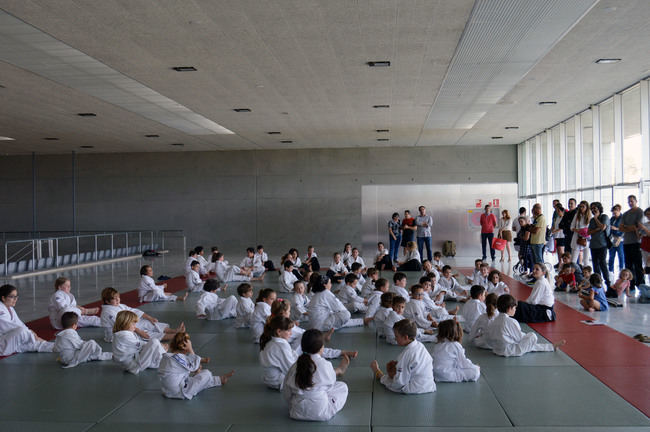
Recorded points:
(71, 348)
(148, 291)
(326, 311)
(496, 285)
(245, 306)
(374, 300)
(477, 335)
(193, 279)
(63, 301)
(396, 315)
(593, 298)
(129, 350)
(369, 285)
(213, 307)
(386, 306)
(349, 297)
(474, 307)
(399, 286)
(262, 311)
(287, 278)
(299, 302)
(449, 361)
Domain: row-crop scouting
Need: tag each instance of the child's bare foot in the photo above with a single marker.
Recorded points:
(202, 316)
(224, 378)
(205, 359)
(351, 354)
(328, 335)
(455, 311)
(257, 278)
(184, 297)
(367, 320)
(181, 327)
(556, 345)
(591, 309)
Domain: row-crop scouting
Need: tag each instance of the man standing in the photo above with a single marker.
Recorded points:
(424, 223)
(565, 224)
(631, 241)
(538, 234)
(488, 223)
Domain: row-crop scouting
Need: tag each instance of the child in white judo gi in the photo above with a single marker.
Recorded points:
(245, 306)
(212, 307)
(299, 302)
(149, 291)
(479, 329)
(369, 285)
(200, 252)
(396, 315)
(63, 301)
(415, 309)
(15, 337)
(232, 273)
(399, 286)
(349, 297)
(412, 372)
(437, 311)
(310, 386)
(146, 327)
(505, 336)
(193, 279)
(71, 348)
(474, 307)
(287, 278)
(255, 266)
(180, 372)
(495, 285)
(129, 350)
(326, 311)
(454, 291)
(449, 361)
(374, 299)
(262, 311)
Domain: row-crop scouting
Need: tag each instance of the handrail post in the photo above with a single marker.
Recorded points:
(77, 250)
(151, 240)
(112, 248)
(140, 241)
(6, 260)
(33, 257)
(56, 255)
(126, 243)
(96, 255)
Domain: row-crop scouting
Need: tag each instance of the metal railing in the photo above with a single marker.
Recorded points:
(52, 252)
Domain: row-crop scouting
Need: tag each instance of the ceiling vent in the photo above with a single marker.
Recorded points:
(241, 110)
(184, 68)
(383, 63)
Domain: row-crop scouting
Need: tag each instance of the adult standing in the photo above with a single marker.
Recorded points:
(538, 234)
(424, 222)
(631, 241)
(558, 233)
(505, 231)
(516, 226)
(488, 223)
(565, 224)
(580, 238)
(394, 236)
(599, 232)
(617, 239)
(408, 229)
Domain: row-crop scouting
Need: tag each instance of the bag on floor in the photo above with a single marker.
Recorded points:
(449, 248)
(498, 244)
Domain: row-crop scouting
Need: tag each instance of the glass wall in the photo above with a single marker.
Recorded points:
(607, 143)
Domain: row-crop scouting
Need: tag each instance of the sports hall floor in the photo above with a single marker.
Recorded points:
(537, 392)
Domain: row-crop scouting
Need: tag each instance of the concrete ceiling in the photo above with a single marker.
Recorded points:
(300, 66)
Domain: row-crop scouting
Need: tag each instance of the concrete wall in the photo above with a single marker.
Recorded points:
(281, 198)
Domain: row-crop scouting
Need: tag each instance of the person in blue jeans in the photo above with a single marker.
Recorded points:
(394, 236)
(424, 223)
(617, 237)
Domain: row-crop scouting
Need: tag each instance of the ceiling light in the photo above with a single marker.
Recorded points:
(87, 146)
(512, 127)
(383, 139)
(383, 130)
(286, 141)
(547, 103)
(607, 60)
(274, 133)
(242, 110)
(50, 139)
(152, 136)
(497, 137)
(383, 63)
(184, 68)
(6, 139)
(178, 144)
(381, 106)
(87, 114)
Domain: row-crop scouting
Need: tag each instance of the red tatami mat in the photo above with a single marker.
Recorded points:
(617, 360)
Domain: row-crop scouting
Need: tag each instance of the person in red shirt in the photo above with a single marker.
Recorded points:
(488, 223)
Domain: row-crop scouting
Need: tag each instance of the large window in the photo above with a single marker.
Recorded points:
(586, 121)
(632, 152)
(543, 141)
(571, 153)
(607, 144)
(557, 160)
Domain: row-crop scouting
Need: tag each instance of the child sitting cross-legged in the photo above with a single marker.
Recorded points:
(71, 348)
(213, 307)
(449, 361)
(593, 298)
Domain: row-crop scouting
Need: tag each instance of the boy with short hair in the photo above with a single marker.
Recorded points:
(475, 307)
(399, 286)
(245, 306)
(71, 348)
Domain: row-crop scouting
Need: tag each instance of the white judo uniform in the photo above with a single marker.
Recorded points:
(194, 282)
(256, 264)
(15, 337)
(499, 289)
(437, 312)
(380, 316)
(73, 350)
(203, 264)
(62, 302)
(258, 319)
(451, 365)
(453, 289)
(134, 354)
(374, 301)
(415, 310)
(244, 312)
(414, 371)
(320, 402)
(327, 312)
(175, 380)
(473, 309)
(109, 313)
(367, 288)
(215, 307)
(188, 264)
(299, 304)
(506, 338)
(400, 291)
(229, 273)
(390, 320)
(478, 334)
(148, 291)
(286, 281)
(338, 267)
(351, 300)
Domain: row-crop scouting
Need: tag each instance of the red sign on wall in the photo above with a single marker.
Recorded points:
(495, 203)
(479, 203)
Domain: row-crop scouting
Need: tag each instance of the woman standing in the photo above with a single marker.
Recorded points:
(505, 231)
(557, 232)
(599, 232)
(580, 238)
(408, 229)
(394, 236)
(617, 239)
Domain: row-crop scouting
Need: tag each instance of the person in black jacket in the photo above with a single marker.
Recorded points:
(565, 224)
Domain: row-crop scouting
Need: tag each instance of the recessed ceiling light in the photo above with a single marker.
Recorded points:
(178, 144)
(184, 68)
(285, 113)
(607, 60)
(383, 130)
(51, 139)
(512, 127)
(152, 136)
(381, 106)
(383, 63)
(87, 114)
(383, 139)
(87, 146)
(497, 137)
(274, 133)
(6, 139)
(242, 110)
(286, 141)
(547, 103)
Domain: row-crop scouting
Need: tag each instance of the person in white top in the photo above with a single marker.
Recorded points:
(346, 254)
(245, 306)
(15, 337)
(369, 286)
(287, 278)
(385, 308)
(264, 258)
(148, 291)
(129, 350)
(231, 273)
(454, 291)
(180, 373)
(474, 307)
(356, 258)
(262, 311)
(193, 279)
(250, 262)
(396, 315)
(437, 311)
(212, 307)
(71, 348)
(310, 386)
(356, 269)
(539, 306)
(63, 301)
(411, 261)
(427, 267)
(337, 270)
(146, 327)
(449, 361)
(482, 277)
(505, 231)
(349, 297)
(479, 329)
(415, 309)
(504, 334)
(326, 311)
(374, 299)
(399, 286)
(382, 259)
(495, 285)
(203, 270)
(311, 259)
(299, 302)
(188, 262)
(412, 372)
(212, 265)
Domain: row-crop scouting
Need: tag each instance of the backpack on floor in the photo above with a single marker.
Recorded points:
(449, 248)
